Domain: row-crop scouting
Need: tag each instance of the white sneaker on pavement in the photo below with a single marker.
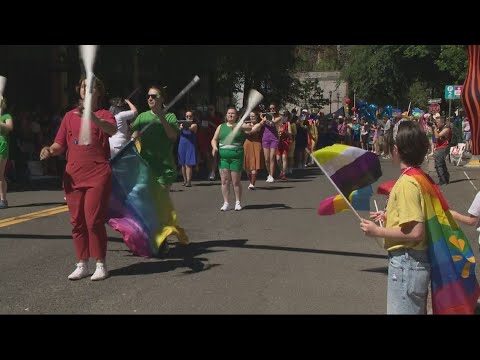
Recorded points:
(224, 207)
(80, 272)
(270, 179)
(100, 272)
(251, 187)
(238, 207)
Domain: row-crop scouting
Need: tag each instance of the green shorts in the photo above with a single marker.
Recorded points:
(231, 159)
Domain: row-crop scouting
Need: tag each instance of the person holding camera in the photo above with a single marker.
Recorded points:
(187, 157)
(443, 136)
(270, 139)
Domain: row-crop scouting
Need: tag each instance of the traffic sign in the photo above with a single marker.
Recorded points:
(434, 108)
(449, 92)
(434, 101)
(453, 92)
(458, 91)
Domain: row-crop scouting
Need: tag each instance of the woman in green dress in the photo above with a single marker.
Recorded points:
(6, 126)
(231, 156)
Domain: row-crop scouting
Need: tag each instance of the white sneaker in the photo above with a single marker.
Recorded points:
(100, 272)
(211, 176)
(270, 179)
(224, 207)
(238, 207)
(80, 272)
(251, 187)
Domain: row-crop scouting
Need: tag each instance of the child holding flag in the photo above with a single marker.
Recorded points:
(422, 240)
(404, 233)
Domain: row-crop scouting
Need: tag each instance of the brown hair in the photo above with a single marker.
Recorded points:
(98, 84)
(411, 141)
(160, 89)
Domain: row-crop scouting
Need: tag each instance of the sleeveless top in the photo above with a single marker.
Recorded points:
(238, 140)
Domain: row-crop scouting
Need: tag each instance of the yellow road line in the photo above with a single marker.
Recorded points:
(35, 215)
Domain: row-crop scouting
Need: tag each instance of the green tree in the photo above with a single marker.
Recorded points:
(394, 74)
(310, 94)
(454, 60)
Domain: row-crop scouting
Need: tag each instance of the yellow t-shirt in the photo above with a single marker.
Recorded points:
(405, 204)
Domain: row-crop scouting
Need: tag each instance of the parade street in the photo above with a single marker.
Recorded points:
(276, 256)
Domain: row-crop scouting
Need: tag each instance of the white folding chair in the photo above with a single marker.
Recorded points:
(457, 151)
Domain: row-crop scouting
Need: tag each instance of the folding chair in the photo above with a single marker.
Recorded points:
(457, 151)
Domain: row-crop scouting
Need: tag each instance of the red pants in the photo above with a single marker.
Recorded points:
(87, 189)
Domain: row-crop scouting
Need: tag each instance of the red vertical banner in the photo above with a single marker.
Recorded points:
(471, 95)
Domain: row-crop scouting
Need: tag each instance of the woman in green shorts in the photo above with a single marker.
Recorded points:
(231, 155)
(6, 126)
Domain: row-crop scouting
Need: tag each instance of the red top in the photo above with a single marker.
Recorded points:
(68, 135)
(443, 143)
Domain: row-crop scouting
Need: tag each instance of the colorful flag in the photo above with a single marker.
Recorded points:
(455, 288)
(350, 168)
(140, 209)
(360, 200)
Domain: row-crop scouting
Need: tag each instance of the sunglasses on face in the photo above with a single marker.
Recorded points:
(154, 96)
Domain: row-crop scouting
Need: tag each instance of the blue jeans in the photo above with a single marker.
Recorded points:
(408, 280)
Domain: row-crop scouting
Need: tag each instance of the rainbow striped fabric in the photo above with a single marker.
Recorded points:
(350, 168)
(140, 209)
(360, 200)
(455, 288)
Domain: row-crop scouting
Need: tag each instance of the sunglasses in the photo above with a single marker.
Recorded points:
(155, 96)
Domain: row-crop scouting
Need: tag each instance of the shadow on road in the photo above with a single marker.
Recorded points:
(382, 270)
(272, 187)
(194, 265)
(199, 248)
(213, 183)
(266, 206)
(460, 180)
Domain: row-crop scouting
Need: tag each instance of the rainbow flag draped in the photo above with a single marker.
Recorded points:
(360, 200)
(455, 288)
(140, 209)
(350, 168)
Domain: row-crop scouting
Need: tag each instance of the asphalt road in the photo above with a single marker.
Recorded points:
(277, 256)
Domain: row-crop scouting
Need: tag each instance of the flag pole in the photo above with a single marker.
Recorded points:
(380, 243)
(336, 187)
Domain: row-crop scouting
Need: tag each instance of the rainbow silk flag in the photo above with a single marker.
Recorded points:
(455, 288)
(140, 209)
(360, 200)
(350, 168)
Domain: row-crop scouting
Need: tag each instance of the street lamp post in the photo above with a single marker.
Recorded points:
(330, 94)
(338, 101)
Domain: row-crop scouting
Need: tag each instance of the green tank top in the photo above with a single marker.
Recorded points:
(238, 140)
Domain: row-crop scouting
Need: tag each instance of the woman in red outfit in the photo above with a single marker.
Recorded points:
(87, 180)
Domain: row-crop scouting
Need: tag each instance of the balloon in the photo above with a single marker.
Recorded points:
(354, 109)
(348, 101)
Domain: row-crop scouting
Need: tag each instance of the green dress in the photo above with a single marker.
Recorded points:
(231, 156)
(4, 145)
(156, 147)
